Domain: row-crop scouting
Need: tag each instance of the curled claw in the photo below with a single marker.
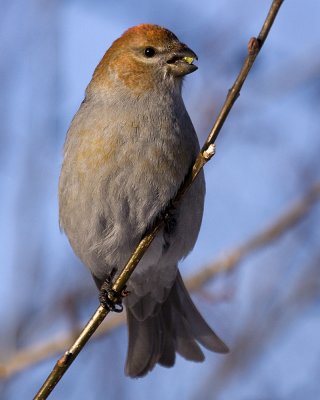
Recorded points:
(109, 298)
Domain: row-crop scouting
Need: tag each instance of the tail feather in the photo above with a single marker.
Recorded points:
(145, 345)
(168, 355)
(197, 325)
(186, 346)
(177, 326)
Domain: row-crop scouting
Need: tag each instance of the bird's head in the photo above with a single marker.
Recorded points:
(145, 57)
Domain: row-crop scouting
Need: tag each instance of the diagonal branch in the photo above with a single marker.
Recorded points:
(204, 156)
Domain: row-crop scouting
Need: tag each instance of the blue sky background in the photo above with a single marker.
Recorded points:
(267, 157)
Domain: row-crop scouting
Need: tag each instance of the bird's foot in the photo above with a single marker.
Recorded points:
(109, 298)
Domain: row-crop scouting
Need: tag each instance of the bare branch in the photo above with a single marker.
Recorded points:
(205, 154)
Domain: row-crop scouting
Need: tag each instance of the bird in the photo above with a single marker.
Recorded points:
(128, 149)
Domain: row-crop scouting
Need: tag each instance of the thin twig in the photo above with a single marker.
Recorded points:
(289, 219)
(204, 156)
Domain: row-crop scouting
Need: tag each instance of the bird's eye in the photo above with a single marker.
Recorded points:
(149, 52)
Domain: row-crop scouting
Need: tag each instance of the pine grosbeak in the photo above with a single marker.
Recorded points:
(128, 149)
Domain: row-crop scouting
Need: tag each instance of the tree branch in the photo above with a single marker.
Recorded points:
(204, 156)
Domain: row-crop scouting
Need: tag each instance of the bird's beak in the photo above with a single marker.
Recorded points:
(181, 61)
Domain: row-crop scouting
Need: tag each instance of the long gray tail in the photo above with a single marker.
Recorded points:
(176, 326)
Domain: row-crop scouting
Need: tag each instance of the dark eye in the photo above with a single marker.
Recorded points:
(149, 52)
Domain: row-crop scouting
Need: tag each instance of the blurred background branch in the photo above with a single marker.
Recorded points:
(282, 225)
